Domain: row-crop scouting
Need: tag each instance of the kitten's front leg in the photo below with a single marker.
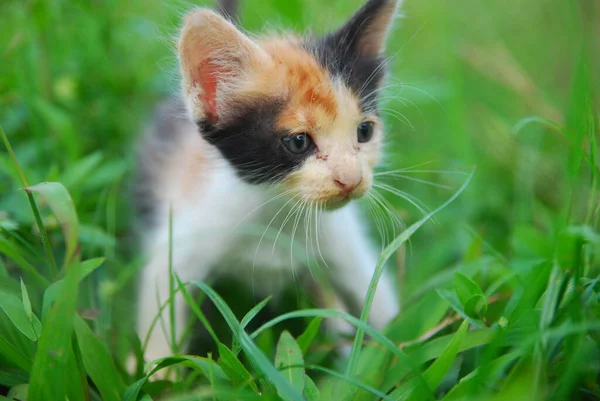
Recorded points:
(204, 229)
(154, 293)
(192, 259)
(202, 234)
(353, 261)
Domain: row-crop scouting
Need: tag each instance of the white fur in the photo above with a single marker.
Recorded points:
(212, 212)
(211, 229)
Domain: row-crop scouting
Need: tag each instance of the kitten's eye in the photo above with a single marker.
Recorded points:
(298, 144)
(365, 131)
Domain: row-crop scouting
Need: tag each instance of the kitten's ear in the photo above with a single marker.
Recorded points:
(215, 58)
(367, 30)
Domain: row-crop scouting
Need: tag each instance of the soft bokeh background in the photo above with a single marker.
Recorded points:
(509, 88)
(79, 79)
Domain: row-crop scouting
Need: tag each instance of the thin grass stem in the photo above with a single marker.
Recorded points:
(53, 270)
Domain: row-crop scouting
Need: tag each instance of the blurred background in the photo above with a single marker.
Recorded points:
(472, 84)
(508, 88)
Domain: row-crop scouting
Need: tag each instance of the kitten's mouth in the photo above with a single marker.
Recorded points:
(338, 203)
(341, 200)
(338, 199)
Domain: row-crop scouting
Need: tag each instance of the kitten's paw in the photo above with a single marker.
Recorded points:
(345, 350)
(131, 365)
(385, 306)
(340, 327)
(345, 331)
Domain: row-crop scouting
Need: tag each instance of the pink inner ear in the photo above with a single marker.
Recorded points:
(207, 77)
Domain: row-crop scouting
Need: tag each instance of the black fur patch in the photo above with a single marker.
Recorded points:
(362, 74)
(153, 150)
(251, 143)
(340, 54)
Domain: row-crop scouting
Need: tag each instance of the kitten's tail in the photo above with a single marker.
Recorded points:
(229, 9)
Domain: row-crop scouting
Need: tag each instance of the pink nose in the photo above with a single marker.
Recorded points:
(347, 186)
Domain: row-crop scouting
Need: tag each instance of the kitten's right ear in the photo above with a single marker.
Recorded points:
(215, 58)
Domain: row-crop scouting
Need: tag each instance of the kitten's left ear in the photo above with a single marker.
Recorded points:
(367, 30)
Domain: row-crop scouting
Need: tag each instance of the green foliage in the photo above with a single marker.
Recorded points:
(499, 288)
(288, 359)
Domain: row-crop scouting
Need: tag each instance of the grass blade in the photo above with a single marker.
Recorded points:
(306, 338)
(288, 358)
(58, 199)
(252, 351)
(385, 255)
(332, 314)
(311, 391)
(195, 309)
(80, 270)
(18, 393)
(247, 319)
(26, 302)
(466, 387)
(209, 369)
(98, 362)
(435, 373)
(15, 253)
(233, 368)
(34, 208)
(350, 380)
(16, 312)
(49, 373)
(14, 355)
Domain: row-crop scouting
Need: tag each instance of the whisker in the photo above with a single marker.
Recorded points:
(375, 212)
(263, 204)
(395, 175)
(405, 171)
(424, 92)
(263, 236)
(404, 102)
(411, 168)
(294, 228)
(289, 215)
(381, 216)
(388, 208)
(404, 196)
(376, 71)
(399, 116)
(383, 209)
(317, 239)
(295, 225)
(308, 242)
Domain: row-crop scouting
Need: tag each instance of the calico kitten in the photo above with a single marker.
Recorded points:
(281, 132)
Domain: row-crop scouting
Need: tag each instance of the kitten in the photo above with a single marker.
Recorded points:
(278, 131)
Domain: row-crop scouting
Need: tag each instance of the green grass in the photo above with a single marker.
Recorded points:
(499, 292)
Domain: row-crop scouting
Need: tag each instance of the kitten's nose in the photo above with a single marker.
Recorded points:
(348, 184)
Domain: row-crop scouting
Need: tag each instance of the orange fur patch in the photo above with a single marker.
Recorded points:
(312, 100)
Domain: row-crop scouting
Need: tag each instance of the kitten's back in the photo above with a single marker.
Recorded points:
(170, 155)
(170, 144)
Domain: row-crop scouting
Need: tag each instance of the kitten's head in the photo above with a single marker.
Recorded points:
(301, 113)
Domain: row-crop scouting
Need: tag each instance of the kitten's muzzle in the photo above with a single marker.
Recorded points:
(344, 192)
(347, 180)
(347, 186)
